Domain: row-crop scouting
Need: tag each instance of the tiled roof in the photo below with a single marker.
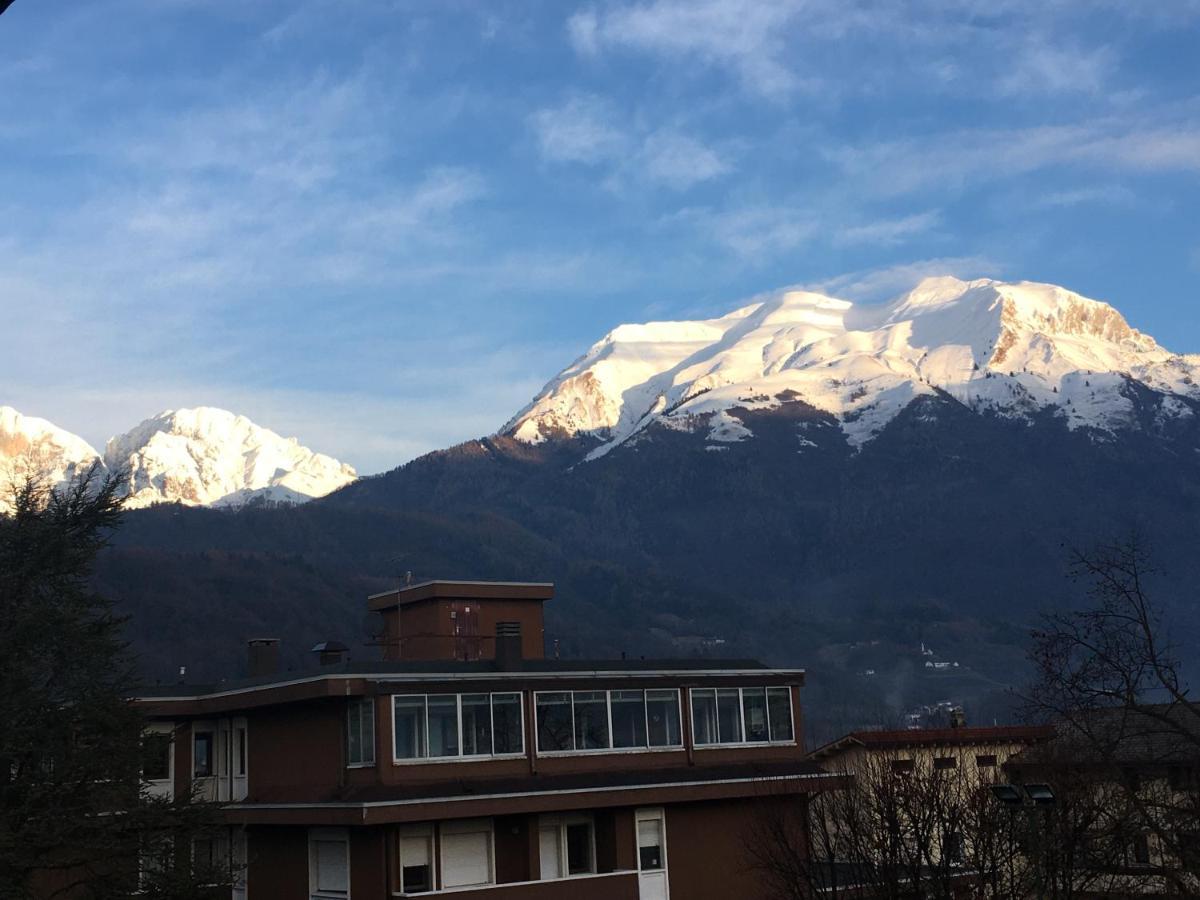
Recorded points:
(917, 737)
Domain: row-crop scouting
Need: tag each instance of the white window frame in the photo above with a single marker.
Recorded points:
(358, 704)
(560, 823)
(329, 835)
(648, 748)
(460, 756)
(742, 718)
(466, 826)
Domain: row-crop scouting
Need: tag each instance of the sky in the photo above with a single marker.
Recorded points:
(381, 226)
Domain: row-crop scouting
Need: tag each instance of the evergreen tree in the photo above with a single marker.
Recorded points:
(75, 818)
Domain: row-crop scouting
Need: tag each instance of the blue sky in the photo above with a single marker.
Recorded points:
(381, 226)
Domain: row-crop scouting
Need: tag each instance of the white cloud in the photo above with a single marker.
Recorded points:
(744, 36)
(889, 232)
(679, 161)
(581, 130)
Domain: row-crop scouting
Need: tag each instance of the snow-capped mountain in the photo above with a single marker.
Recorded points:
(34, 446)
(211, 457)
(1009, 348)
(198, 457)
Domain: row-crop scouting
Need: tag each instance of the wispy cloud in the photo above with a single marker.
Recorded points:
(582, 130)
(880, 284)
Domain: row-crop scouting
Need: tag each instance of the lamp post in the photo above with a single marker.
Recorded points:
(1027, 799)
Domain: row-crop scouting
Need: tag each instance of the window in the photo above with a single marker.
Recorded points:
(606, 720)
(986, 761)
(779, 710)
(629, 719)
(508, 724)
(754, 713)
(945, 762)
(202, 754)
(1139, 851)
(567, 846)
(662, 718)
(466, 850)
(416, 859)
(328, 864)
(240, 737)
(650, 844)
(902, 765)
(591, 719)
(409, 720)
(450, 726)
(360, 732)
(156, 756)
(741, 716)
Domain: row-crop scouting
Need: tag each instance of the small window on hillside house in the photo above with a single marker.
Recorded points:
(156, 759)
(986, 761)
(902, 765)
(945, 762)
(1140, 850)
(202, 754)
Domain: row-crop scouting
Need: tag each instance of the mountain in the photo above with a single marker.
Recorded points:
(196, 457)
(1010, 349)
(35, 445)
(802, 480)
(211, 457)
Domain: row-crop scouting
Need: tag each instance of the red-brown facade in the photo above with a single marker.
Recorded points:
(467, 763)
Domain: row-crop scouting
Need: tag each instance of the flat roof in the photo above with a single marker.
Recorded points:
(452, 670)
(467, 590)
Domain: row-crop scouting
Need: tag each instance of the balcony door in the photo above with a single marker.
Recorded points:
(652, 854)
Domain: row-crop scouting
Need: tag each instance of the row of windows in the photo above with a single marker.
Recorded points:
(607, 720)
(464, 852)
(443, 726)
(452, 726)
(742, 715)
(982, 761)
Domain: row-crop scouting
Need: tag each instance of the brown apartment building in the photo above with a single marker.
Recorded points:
(465, 762)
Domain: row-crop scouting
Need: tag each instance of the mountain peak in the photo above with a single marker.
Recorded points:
(1007, 347)
(213, 457)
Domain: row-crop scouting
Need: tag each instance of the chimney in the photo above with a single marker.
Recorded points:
(958, 718)
(330, 653)
(263, 657)
(508, 646)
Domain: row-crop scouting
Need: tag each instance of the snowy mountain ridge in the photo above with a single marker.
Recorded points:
(1011, 348)
(199, 457)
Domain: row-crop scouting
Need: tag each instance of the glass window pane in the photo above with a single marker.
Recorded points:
(443, 724)
(579, 848)
(591, 720)
(416, 867)
(554, 722)
(729, 716)
(629, 718)
(507, 735)
(779, 708)
(476, 724)
(662, 718)
(202, 754)
(354, 733)
(754, 714)
(368, 730)
(156, 757)
(704, 716)
(410, 727)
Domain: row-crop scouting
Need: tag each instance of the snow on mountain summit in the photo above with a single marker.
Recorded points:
(34, 446)
(1009, 348)
(211, 457)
